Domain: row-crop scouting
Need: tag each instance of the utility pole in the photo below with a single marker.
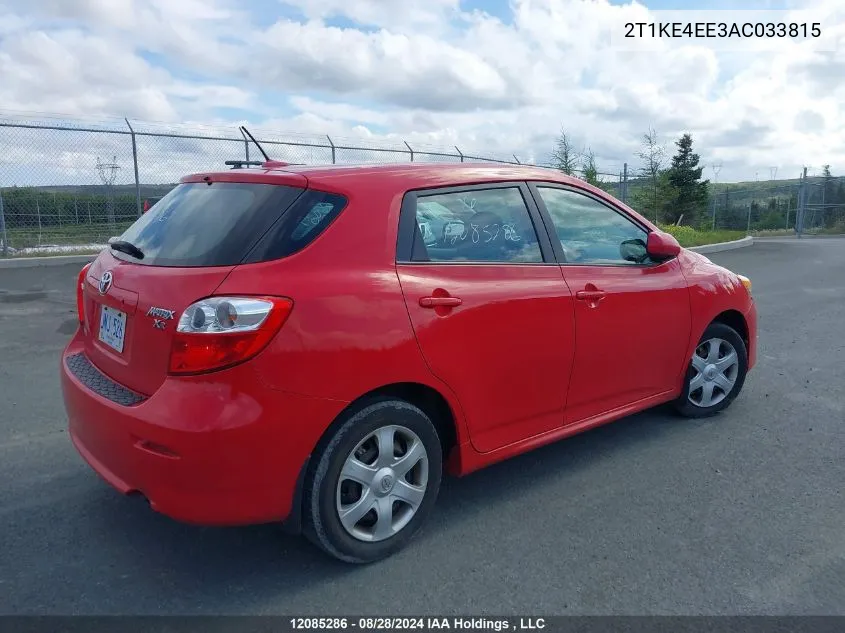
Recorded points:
(108, 173)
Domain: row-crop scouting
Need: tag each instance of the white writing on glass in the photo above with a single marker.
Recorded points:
(487, 233)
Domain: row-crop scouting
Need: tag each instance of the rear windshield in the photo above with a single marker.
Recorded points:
(220, 224)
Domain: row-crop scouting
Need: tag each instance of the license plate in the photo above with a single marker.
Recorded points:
(112, 328)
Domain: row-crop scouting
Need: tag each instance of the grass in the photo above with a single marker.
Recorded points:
(836, 229)
(773, 233)
(688, 236)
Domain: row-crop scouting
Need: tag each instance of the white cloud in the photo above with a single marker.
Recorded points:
(405, 70)
(428, 72)
(389, 14)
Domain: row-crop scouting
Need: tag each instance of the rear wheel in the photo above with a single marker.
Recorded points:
(374, 482)
(716, 372)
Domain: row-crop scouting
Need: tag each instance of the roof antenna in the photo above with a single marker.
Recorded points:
(260, 149)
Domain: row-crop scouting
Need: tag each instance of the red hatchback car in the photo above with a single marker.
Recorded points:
(316, 345)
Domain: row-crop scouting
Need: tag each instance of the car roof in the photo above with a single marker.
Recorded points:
(398, 177)
(412, 175)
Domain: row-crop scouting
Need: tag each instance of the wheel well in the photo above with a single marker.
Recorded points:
(735, 320)
(422, 396)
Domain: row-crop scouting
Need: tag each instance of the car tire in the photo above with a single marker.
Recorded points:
(714, 377)
(357, 447)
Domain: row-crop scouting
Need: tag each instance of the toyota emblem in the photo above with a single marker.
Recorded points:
(105, 282)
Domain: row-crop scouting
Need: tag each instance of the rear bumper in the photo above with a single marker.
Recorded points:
(220, 449)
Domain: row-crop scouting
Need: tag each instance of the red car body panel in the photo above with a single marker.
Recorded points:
(512, 381)
(142, 367)
(715, 291)
(217, 450)
(646, 308)
(520, 363)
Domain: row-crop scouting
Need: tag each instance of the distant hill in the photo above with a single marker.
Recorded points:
(147, 191)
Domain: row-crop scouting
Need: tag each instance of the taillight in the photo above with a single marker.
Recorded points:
(219, 332)
(80, 300)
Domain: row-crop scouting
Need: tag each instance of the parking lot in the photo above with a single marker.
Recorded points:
(740, 514)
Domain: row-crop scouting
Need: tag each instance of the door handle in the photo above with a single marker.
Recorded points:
(590, 295)
(435, 302)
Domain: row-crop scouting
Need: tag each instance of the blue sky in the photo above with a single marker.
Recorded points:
(495, 77)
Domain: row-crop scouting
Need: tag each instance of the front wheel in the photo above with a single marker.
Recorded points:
(374, 482)
(716, 373)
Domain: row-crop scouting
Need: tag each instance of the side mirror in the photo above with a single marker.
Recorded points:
(633, 251)
(662, 246)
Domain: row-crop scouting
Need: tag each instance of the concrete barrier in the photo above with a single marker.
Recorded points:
(723, 246)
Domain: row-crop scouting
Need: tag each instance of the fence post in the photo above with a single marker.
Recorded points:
(38, 211)
(460, 153)
(135, 164)
(410, 149)
(334, 156)
(713, 228)
(3, 227)
(625, 184)
(246, 144)
(802, 202)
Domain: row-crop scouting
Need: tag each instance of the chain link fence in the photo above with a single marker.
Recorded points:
(67, 188)
(807, 205)
(70, 187)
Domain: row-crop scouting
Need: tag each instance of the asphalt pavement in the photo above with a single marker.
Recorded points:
(740, 514)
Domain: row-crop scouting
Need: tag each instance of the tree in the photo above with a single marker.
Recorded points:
(690, 192)
(653, 155)
(591, 173)
(828, 185)
(564, 156)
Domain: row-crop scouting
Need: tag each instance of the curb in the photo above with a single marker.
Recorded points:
(54, 260)
(723, 246)
(805, 236)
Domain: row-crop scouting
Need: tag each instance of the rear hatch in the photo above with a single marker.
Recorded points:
(190, 241)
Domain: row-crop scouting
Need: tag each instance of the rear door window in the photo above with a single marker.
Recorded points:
(224, 224)
(480, 225)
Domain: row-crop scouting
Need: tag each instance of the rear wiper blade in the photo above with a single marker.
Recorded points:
(127, 247)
